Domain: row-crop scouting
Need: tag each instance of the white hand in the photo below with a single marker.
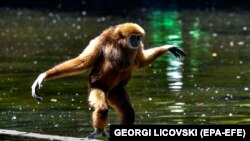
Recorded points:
(38, 83)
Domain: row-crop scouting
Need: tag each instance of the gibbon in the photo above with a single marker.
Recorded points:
(111, 57)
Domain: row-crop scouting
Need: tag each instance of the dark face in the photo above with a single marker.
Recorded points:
(134, 40)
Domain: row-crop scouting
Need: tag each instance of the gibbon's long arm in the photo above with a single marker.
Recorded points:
(145, 57)
(71, 67)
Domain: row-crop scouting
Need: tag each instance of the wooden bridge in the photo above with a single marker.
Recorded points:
(13, 135)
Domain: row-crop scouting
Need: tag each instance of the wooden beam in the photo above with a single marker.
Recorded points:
(26, 136)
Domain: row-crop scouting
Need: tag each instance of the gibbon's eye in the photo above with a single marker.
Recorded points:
(134, 40)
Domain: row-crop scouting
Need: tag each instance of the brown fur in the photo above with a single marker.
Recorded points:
(111, 62)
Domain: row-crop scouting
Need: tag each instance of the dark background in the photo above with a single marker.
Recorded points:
(123, 6)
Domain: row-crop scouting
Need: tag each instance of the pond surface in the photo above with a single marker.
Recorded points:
(209, 86)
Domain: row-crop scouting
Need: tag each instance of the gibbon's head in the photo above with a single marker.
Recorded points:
(132, 32)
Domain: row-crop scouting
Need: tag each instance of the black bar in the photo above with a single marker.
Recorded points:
(194, 132)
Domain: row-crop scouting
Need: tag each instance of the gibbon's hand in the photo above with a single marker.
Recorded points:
(176, 51)
(37, 85)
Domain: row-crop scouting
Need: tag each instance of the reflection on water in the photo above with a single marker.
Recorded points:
(209, 86)
(167, 30)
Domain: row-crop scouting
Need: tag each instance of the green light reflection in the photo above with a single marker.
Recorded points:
(199, 39)
(167, 30)
(166, 27)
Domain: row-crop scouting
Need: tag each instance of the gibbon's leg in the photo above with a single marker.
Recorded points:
(97, 100)
(118, 98)
(145, 57)
(71, 67)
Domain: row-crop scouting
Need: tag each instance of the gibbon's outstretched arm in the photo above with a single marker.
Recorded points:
(71, 67)
(145, 57)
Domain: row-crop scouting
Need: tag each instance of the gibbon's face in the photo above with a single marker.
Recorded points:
(134, 40)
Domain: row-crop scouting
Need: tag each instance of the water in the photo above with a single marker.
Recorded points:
(209, 86)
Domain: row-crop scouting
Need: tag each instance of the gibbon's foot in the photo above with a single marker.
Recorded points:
(37, 85)
(176, 51)
(98, 133)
